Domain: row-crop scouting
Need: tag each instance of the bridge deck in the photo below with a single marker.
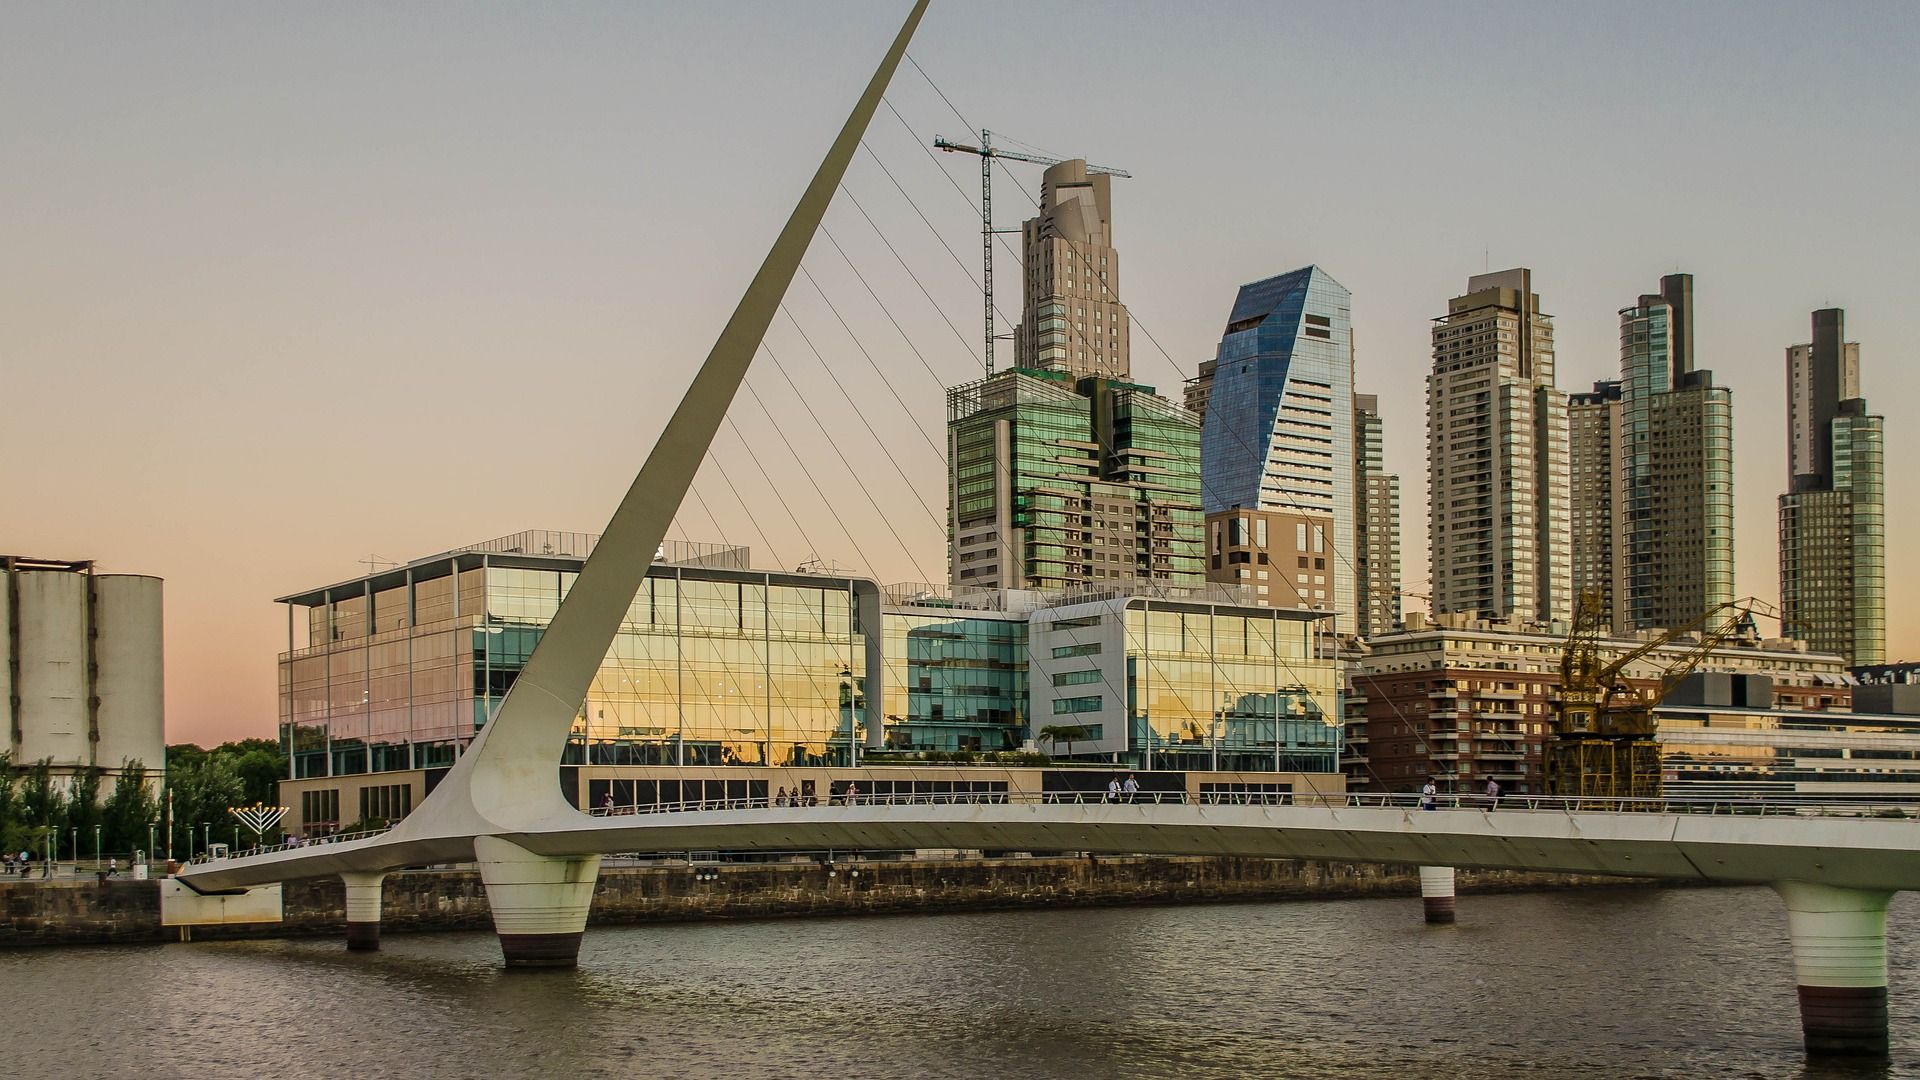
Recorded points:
(1858, 847)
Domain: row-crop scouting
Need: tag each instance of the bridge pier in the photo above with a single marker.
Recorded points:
(1840, 963)
(363, 909)
(539, 902)
(1436, 893)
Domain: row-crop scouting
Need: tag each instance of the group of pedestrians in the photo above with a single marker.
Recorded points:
(1119, 790)
(784, 798)
(1430, 795)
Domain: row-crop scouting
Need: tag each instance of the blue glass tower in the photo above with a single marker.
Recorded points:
(1277, 401)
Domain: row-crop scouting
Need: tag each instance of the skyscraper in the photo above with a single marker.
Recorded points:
(1277, 444)
(1071, 317)
(1497, 456)
(1376, 515)
(1833, 560)
(1673, 469)
(1057, 483)
(1592, 419)
(1061, 472)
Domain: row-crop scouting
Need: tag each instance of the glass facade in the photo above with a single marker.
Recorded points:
(1673, 471)
(1833, 555)
(710, 667)
(1278, 416)
(1211, 688)
(1056, 483)
(961, 677)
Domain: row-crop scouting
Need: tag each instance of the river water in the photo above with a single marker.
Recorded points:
(1615, 984)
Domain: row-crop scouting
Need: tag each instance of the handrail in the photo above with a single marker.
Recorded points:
(1505, 803)
(1410, 803)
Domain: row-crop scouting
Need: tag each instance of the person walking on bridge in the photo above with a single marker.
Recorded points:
(1429, 796)
(1131, 788)
(1113, 788)
(1493, 793)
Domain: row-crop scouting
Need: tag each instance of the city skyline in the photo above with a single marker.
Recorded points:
(248, 354)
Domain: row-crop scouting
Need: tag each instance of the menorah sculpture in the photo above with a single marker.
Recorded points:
(259, 818)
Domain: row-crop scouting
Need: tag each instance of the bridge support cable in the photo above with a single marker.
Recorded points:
(1840, 965)
(909, 270)
(853, 474)
(363, 909)
(1436, 893)
(858, 414)
(888, 312)
(938, 453)
(539, 902)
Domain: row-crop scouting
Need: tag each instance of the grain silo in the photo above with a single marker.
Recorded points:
(82, 683)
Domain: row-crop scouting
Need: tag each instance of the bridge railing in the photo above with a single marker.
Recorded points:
(1410, 802)
(294, 843)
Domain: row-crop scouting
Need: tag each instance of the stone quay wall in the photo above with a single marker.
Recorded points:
(71, 912)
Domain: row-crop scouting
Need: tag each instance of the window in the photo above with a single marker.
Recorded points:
(1076, 678)
(1061, 652)
(1069, 706)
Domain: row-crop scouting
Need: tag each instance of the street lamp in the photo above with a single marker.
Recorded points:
(151, 826)
(96, 847)
(75, 834)
(846, 700)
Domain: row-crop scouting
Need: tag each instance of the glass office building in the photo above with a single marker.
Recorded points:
(1277, 414)
(1187, 683)
(715, 664)
(954, 680)
(739, 681)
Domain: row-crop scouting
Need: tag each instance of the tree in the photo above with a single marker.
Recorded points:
(130, 810)
(14, 832)
(83, 809)
(1066, 733)
(203, 785)
(44, 806)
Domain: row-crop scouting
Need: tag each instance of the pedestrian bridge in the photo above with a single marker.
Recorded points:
(1859, 846)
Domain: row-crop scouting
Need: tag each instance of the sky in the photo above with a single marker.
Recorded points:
(288, 287)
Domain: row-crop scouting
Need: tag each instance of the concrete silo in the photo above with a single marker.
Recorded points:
(128, 681)
(50, 643)
(82, 682)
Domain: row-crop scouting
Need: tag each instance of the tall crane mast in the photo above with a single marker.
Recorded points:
(987, 152)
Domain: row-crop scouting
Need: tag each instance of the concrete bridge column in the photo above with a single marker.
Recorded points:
(539, 902)
(1840, 962)
(363, 909)
(1436, 893)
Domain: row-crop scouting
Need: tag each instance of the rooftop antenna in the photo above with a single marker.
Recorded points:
(988, 152)
(375, 564)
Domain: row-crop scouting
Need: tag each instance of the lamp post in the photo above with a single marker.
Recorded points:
(96, 847)
(846, 702)
(150, 831)
(74, 834)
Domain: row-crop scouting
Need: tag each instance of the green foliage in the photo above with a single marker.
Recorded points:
(205, 784)
(130, 810)
(1068, 734)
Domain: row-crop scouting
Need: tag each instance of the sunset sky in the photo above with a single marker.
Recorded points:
(284, 287)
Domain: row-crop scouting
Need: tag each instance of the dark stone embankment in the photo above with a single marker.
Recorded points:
(90, 912)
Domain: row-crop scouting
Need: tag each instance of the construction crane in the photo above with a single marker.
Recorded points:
(1603, 735)
(987, 152)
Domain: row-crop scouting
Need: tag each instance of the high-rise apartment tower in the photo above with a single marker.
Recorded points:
(1592, 420)
(1833, 556)
(1071, 317)
(1497, 456)
(1376, 516)
(1673, 469)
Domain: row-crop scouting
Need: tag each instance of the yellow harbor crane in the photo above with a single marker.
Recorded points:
(1603, 734)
